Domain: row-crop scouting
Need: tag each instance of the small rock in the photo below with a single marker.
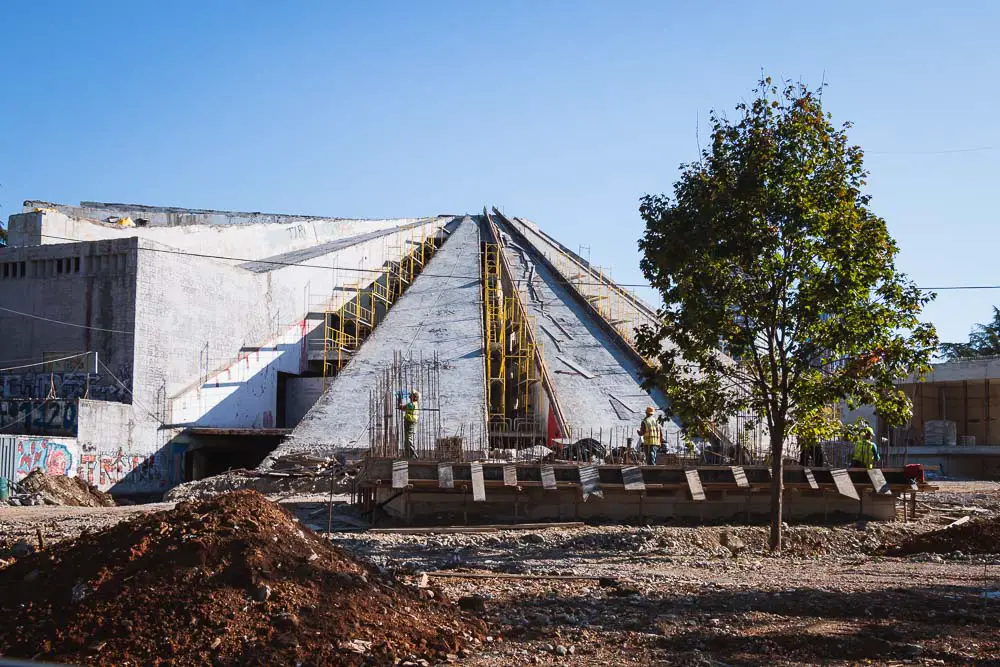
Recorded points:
(285, 621)
(22, 549)
(911, 650)
(572, 650)
(534, 538)
(79, 592)
(359, 646)
(561, 650)
(473, 603)
(262, 593)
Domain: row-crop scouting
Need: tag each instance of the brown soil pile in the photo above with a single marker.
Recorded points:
(62, 490)
(227, 581)
(979, 536)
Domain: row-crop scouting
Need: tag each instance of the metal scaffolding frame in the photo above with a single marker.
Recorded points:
(362, 306)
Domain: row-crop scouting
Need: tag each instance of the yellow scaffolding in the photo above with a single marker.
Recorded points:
(349, 321)
(495, 332)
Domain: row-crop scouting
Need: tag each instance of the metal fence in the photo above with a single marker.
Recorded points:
(8, 457)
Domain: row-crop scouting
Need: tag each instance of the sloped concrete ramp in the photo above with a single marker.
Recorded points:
(597, 383)
(441, 312)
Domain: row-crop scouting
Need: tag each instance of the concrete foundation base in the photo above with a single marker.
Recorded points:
(977, 462)
(535, 504)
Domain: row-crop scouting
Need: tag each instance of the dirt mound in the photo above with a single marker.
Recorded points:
(979, 536)
(62, 490)
(231, 580)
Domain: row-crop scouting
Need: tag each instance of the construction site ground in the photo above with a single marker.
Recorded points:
(699, 595)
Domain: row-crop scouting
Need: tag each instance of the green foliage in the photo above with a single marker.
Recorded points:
(984, 341)
(768, 250)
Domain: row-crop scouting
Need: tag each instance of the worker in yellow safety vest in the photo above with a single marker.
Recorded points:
(865, 450)
(652, 435)
(411, 416)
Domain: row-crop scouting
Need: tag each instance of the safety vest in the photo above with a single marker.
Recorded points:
(863, 452)
(651, 431)
(412, 415)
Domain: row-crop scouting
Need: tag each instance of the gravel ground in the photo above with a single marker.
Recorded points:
(688, 595)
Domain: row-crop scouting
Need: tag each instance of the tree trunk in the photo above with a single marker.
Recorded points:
(777, 487)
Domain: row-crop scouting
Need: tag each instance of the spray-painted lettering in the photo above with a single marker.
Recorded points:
(39, 417)
(65, 384)
(107, 470)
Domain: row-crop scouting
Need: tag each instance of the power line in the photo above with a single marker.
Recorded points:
(317, 266)
(42, 363)
(68, 324)
(562, 281)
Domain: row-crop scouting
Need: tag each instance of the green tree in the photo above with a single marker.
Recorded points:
(984, 341)
(768, 250)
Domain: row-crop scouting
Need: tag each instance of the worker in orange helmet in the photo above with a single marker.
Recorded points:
(652, 435)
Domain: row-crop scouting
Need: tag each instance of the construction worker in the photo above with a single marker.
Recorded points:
(652, 435)
(865, 450)
(411, 416)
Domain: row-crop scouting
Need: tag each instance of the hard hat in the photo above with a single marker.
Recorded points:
(650, 410)
(415, 394)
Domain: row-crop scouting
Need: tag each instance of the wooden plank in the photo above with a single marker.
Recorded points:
(844, 484)
(811, 478)
(510, 474)
(632, 477)
(502, 575)
(400, 474)
(740, 475)
(590, 482)
(878, 481)
(478, 487)
(548, 478)
(986, 409)
(486, 528)
(577, 367)
(959, 522)
(446, 476)
(694, 484)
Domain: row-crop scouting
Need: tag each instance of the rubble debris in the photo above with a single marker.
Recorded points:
(292, 473)
(37, 488)
(237, 573)
(977, 536)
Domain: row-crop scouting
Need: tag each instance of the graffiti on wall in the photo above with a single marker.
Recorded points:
(39, 417)
(105, 470)
(53, 457)
(65, 384)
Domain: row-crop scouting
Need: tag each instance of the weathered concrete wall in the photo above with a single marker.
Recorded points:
(227, 234)
(441, 312)
(966, 369)
(125, 450)
(235, 385)
(86, 294)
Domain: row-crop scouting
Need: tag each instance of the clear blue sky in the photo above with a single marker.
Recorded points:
(562, 112)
